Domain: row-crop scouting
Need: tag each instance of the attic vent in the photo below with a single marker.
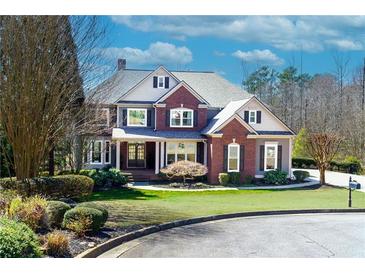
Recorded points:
(122, 64)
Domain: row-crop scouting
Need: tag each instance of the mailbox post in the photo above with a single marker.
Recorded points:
(352, 186)
(350, 198)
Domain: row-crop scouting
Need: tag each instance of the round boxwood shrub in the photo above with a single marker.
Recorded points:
(63, 186)
(76, 214)
(223, 178)
(96, 206)
(276, 177)
(55, 211)
(301, 175)
(17, 240)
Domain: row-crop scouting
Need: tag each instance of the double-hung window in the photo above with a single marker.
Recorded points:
(103, 117)
(271, 156)
(161, 82)
(233, 157)
(180, 151)
(181, 117)
(252, 117)
(96, 152)
(137, 117)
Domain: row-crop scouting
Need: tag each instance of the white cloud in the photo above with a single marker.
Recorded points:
(344, 44)
(259, 56)
(219, 53)
(308, 33)
(157, 53)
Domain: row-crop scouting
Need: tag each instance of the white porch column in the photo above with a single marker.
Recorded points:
(117, 159)
(205, 153)
(162, 156)
(157, 168)
(290, 159)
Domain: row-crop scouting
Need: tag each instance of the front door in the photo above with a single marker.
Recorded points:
(136, 155)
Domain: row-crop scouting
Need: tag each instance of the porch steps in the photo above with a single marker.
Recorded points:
(140, 175)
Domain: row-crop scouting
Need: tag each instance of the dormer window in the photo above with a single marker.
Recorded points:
(181, 117)
(252, 116)
(161, 82)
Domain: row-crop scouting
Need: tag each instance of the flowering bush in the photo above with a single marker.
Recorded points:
(184, 170)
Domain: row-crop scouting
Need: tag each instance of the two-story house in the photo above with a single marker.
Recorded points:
(157, 117)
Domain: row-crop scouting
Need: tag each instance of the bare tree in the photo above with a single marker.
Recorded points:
(45, 68)
(323, 147)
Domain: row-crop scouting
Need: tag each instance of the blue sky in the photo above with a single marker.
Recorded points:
(222, 43)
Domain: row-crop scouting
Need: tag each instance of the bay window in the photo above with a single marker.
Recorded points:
(233, 157)
(137, 117)
(95, 152)
(180, 151)
(181, 117)
(271, 153)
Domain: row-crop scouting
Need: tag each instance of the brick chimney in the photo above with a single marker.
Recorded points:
(122, 63)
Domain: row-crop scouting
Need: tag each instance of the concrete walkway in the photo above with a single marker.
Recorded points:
(336, 178)
(294, 236)
(147, 186)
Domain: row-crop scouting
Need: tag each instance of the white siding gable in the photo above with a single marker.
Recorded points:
(268, 121)
(146, 92)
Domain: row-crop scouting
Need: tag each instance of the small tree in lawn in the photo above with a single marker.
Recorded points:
(184, 170)
(323, 147)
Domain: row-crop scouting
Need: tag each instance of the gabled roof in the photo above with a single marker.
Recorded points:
(179, 85)
(215, 90)
(226, 115)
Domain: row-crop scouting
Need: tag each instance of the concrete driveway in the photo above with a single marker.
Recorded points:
(307, 235)
(337, 178)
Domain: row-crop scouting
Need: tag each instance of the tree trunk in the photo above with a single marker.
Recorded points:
(322, 175)
(51, 162)
(78, 153)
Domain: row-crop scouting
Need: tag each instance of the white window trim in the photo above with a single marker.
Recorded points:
(138, 109)
(163, 81)
(110, 152)
(107, 117)
(101, 153)
(238, 157)
(249, 116)
(271, 144)
(181, 110)
(186, 154)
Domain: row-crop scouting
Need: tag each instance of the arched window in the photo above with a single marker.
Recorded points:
(233, 158)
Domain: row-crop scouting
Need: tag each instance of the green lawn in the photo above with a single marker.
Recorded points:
(142, 207)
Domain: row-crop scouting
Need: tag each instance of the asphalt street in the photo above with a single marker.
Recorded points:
(293, 236)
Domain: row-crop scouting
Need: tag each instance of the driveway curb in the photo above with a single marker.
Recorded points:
(102, 248)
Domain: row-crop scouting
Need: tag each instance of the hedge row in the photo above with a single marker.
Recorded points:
(353, 166)
(63, 186)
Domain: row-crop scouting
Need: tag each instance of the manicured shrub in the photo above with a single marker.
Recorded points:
(17, 240)
(184, 170)
(234, 178)
(76, 217)
(248, 179)
(55, 211)
(301, 175)
(303, 163)
(63, 186)
(31, 211)
(57, 244)
(96, 206)
(223, 178)
(276, 177)
(109, 177)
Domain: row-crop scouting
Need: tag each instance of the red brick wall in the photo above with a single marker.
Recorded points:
(181, 96)
(215, 150)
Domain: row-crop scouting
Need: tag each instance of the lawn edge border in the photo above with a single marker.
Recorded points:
(114, 242)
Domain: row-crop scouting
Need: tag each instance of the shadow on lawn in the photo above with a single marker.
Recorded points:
(120, 194)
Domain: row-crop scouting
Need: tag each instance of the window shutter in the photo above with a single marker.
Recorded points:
(124, 123)
(246, 116)
(149, 117)
(200, 152)
(195, 118)
(262, 157)
(155, 81)
(280, 156)
(225, 158)
(258, 117)
(167, 117)
(167, 82)
(242, 157)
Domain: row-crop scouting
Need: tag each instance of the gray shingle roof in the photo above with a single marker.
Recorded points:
(274, 133)
(216, 90)
(150, 132)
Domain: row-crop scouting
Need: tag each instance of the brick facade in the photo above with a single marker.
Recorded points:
(233, 130)
(181, 97)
